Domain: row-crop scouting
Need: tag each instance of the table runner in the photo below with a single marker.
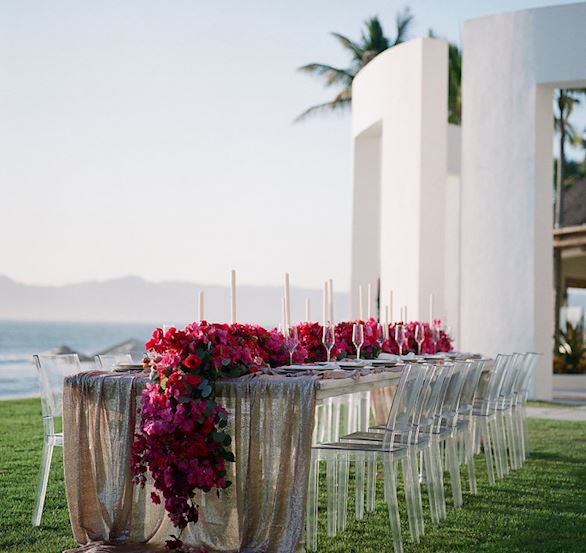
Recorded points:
(271, 423)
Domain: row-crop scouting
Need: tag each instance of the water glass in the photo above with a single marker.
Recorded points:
(400, 336)
(358, 337)
(435, 335)
(419, 336)
(329, 338)
(291, 341)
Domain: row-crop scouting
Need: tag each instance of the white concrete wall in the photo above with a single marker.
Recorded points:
(400, 106)
(511, 64)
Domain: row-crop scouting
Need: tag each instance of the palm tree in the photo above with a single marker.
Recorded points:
(565, 101)
(454, 84)
(372, 42)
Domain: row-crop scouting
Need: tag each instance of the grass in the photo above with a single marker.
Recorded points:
(550, 405)
(540, 509)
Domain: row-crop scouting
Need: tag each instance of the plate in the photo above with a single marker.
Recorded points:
(125, 367)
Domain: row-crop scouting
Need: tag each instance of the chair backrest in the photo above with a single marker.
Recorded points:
(531, 360)
(403, 405)
(489, 389)
(511, 375)
(52, 371)
(470, 386)
(437, 393)
(107, 362)
(451, 401)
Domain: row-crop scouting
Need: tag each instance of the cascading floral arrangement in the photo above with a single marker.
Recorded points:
(431, 344)
(182, 439)
(371, 347)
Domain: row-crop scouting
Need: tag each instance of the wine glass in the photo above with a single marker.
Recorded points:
(419, 336)
(291, 341)
(435, 335)
(400, 336)
(358, 337)
(329, 338)
(380, 335)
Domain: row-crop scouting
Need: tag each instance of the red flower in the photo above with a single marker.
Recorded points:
(192, 362)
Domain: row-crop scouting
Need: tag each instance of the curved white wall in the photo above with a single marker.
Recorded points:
(399, 125)
(511, 64)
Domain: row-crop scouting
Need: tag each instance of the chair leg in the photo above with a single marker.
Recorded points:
(454, 468)
(417, 502)
(486, 445)
(438, 476)
(390, 484)
(431, 485)
(343, 474)
(359, 486)
(332, 496)
(469, 449)
(312, 498)
(370, 484)
(43, 480)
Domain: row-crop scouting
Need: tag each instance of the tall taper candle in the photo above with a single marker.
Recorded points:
(406, 318)
(283, 315)
(326, 304)
(200, 310)
(331, 284)
(287, 302)
(391, 306)
(360, 306)
(307, 310)
(369, 301)
(233, 296)
(389, 322)
(430, 309)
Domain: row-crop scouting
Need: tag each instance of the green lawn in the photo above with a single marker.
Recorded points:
(550, 405)
(541, 508)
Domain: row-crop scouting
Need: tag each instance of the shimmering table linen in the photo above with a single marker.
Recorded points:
(271, 423)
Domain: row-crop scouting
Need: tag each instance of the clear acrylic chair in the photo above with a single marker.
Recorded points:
(392, 449)
(465, 425)
(520, 402)
(107, 362)
(487, 434)
(52, 370)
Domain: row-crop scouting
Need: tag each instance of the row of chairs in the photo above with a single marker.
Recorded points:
(52, 370)
(439, 411)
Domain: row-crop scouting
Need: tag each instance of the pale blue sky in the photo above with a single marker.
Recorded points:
(156, 138)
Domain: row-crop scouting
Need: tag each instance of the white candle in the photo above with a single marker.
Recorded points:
(430, 309)
(391, 306)
(283, 315)
(331, 285)
(360, 307)
(406, 318)
(369, 301)
(325, 307)
(233, 296)
(307, 310)
(387, 323)
(200, 306)
(287, 302)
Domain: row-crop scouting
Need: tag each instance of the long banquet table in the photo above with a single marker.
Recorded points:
(272, 426)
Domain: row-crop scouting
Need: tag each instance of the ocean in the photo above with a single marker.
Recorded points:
(20, 340)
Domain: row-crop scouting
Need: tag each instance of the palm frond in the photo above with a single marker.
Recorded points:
(356, 49)
(338, 104)
(332, 75)
(403, 22)
(373, 36)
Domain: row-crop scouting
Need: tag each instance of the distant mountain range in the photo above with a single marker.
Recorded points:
(133, 299)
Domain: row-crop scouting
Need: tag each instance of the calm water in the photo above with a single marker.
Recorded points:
(20, 340)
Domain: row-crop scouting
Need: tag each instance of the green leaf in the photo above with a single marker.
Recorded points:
(219, 437)
(184, 399)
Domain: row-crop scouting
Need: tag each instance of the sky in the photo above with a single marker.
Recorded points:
(157, 138)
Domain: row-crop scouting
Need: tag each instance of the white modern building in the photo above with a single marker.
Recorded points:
(466, 215)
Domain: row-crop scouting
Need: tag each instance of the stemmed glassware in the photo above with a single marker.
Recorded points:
(329, 338)
(291, 341)
(380, 335)
(400, 336)
(358, 337)
(435, 335)
(419, 336)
